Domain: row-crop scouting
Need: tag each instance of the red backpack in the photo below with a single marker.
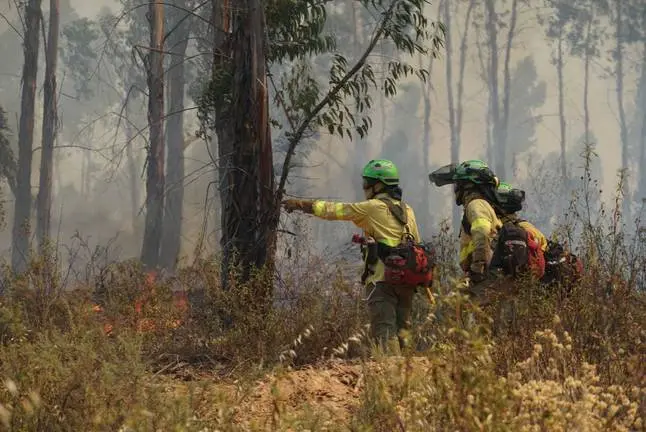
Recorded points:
(517, 251)
(409, 263)
(536, 257)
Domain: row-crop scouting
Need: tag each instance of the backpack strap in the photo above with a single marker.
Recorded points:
(466, 226)
(398, 211)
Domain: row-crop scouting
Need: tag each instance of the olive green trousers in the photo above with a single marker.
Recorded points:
(390, 310)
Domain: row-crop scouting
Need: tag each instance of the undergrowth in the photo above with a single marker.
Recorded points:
(121, 352)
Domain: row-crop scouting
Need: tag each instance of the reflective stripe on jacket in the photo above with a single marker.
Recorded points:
(375, 219)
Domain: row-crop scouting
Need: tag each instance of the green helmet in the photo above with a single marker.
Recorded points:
(471, 171)
(474, 171)
(509, 198)
(382, 170)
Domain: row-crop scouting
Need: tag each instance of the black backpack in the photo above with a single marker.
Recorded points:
(512, 252)
(561, 266)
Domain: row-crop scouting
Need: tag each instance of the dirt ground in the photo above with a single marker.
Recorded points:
(329, 392)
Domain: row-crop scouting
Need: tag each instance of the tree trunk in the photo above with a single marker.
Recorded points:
(503, 129)
(249, 209)
(172, 229)
(44, 206)
(484, 75)
(133, 169)
(221, 53)
(455, 134)
(494, 104)
(426, 98)
(642, 137)
(559, 73)
(456, 110)
(586, 82)
(22, 211)
(155, 162)
(623, 125)
(250, 220)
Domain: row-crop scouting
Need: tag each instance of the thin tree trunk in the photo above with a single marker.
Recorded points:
(455, 139)
(501, 170)
(642, 138)
(426, 142)
(484, 75)
(22, 211)
(464, 47)
(559, 73)
(155, 162)
(623, 126)
(449, 80)
(586, 83)
(172, 229)
(459, 111)
(494, 105)
(44, 206)
(221, 55)
(133, 169)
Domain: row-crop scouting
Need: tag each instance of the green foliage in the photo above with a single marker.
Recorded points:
(340, 102)
(295, 29)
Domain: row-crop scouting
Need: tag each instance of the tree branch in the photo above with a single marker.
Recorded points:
(298, 134)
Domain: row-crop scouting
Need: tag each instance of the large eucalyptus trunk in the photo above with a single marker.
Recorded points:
(249, 209)
(22, 211)
(44, 205)
(155, 160)
(173, 214)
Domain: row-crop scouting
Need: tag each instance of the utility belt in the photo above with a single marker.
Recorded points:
(372, 251)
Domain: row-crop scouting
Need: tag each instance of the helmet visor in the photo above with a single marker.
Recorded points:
(444, 175)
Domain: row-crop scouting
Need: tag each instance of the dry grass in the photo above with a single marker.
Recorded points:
(574, 362)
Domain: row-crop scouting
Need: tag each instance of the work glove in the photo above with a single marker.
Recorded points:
(477, 272)
(296, 204)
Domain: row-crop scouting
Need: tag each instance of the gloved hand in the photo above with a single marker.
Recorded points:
(477, 272)
(296, 204)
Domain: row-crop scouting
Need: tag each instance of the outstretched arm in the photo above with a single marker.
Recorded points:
(330, 210)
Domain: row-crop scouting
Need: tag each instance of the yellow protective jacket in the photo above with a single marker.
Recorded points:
(375, 219)
(477, 246)
(529, 227)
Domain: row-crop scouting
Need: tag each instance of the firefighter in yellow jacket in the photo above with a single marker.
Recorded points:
(389, 306)
(474, 187)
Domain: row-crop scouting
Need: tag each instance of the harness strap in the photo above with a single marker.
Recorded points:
(398, 211)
